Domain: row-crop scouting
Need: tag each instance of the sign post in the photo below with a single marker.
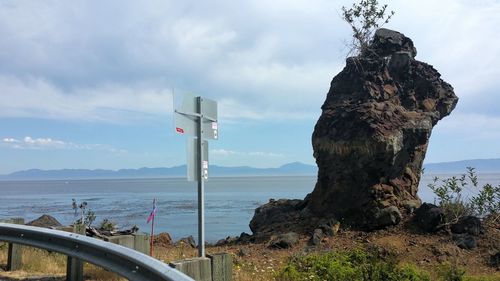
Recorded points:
(198, 116)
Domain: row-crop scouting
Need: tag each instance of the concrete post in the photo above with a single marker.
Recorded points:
(122, 240)
(141, 242)
(197, 268)
(222, 266)
(74, 267)
(15, 251)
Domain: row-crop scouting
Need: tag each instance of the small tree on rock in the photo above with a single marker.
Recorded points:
(364, 18)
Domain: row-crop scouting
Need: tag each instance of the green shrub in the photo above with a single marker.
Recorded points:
(108, 225)
(356, 265)
(85, 214)
(450, 272)
(364, 18)
(449, 193)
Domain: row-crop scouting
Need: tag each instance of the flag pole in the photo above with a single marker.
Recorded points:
(151, 246)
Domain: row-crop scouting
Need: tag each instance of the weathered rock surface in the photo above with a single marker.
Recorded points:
(316, 237)
(429, 217)
(45, 221)
(279, 216)
(465, 241)
(370, 140)
(468, 224)
(163, 240)
(495, 260)
(284, 241)
(189, 241)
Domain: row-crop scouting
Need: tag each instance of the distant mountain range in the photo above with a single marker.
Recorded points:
(295, 168)
(481, 166)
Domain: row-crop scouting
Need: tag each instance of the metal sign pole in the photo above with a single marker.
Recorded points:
(198, 117)
(201, 183)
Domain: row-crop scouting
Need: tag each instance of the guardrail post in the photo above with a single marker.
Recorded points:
(197, 268)
(128, 263)
(222, 266)
(15, 252)
(141, 242)
(74, 266)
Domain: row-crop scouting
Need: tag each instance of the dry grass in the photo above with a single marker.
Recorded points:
(44, 263)
(259, 265)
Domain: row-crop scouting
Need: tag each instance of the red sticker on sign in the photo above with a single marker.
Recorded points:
(179, 130)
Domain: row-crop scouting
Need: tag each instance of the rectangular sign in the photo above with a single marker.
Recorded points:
(210, 130)
(209, 109)
(186, 117)
(185, 105)
(192, 159)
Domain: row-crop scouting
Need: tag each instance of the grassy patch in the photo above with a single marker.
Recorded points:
(356, 265)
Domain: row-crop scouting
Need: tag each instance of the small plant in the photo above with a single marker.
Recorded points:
(364, 18)
(450, 197)
(87, 216)
(450, 272)
(107, 225)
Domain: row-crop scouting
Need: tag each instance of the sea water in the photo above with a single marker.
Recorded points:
(230, 202)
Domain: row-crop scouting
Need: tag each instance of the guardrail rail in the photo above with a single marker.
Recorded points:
(126, 262)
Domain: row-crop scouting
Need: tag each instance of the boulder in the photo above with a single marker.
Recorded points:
(189, 241)
(284, 241)
(465, 241)
(429, 217)
(277, 217)
(316, 237)
(387, 216)
(330, 227)
(45, 221)
(468, 224)
(228, 240)
(163, 239)
(243, 252)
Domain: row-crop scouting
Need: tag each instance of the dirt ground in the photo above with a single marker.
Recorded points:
(258, 262)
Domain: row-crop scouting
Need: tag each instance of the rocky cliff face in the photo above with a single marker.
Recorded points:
(371, 138)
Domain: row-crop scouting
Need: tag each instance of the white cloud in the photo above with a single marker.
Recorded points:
(117, 60)
(50, 143)
(38, 98)
(9, 140)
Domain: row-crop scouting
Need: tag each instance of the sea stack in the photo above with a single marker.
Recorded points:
(369, 142)
(371, 138)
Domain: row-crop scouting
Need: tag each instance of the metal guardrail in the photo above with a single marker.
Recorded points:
(126, 262)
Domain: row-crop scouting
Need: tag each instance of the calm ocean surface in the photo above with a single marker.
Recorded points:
(230, 202)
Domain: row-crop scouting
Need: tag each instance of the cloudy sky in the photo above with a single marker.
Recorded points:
(88, 84)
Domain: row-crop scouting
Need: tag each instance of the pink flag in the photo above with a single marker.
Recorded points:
(153, 212)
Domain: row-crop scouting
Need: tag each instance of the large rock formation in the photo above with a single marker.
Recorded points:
(371, 138)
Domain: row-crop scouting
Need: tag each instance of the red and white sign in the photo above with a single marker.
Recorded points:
(179, 130)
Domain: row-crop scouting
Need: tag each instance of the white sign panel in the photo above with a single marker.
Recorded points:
(192, 159)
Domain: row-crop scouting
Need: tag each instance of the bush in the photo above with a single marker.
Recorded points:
(356, 265)
(449, 193)
(450, 272)
(364, 18)
(108, 225)
(86, 215)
